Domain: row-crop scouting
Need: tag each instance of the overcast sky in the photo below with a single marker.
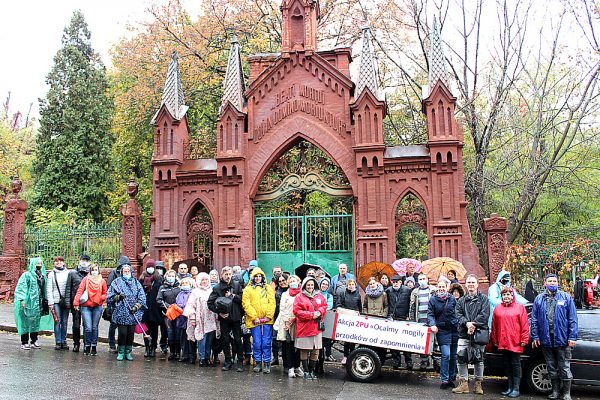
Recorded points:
(31, 31)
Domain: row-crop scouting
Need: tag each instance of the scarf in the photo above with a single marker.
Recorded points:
(94, 283)
(374, 293)
(443, 296)
(294, 292)
(147, 284)
(310, 295)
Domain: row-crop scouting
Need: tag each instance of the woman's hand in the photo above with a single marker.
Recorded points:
(76, 308)
(434, 329)
(317, 314)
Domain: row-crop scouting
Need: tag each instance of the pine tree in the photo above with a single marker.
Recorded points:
(72, 165)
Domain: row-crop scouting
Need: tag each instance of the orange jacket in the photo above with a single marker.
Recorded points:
(96, 293)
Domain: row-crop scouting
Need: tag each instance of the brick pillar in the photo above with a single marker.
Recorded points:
(131, 229)
(495, 230)
(12, 259)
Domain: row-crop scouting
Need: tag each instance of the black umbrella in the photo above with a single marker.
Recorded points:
(301, 270)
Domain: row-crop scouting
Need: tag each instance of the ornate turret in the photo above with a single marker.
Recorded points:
(172, 98)
(299, 25)
(368, 76)
(233, 86)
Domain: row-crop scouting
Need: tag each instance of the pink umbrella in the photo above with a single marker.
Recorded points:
(401, 265)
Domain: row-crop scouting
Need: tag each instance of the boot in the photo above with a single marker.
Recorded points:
(258, 367)
(275, 361)
(202, 363)
(510, 386)
(75, 347)
(94, 351)
(267, 368)
(128, 355)
(311, 369)
(565, 390)
(320, 369)
(478, 389)
(152, 352)
(517, 384)
(247, 360)
(555, 390)
(227, 365)
(120, 353)
(240, 366)
(147, 350)
(86, 351)
(305, 368)
(462, 388)
(172, 355)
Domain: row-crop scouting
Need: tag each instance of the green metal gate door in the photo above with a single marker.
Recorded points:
(292, 240)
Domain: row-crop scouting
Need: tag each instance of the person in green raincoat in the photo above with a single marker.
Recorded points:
(30, 294)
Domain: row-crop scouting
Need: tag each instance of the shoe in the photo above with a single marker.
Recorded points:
(311, 369)
(164, 351)
(510, 387)
(192, 361)
(267, 368)
(94, 351)
(451, 383)
(258, 367)
(173, 354)
(344, 361)
(445, 386)
(58, 346)
(120, 353)
(184, 359)
(477, 389)
(240, 366)
(35, 345)
(152, 352)
(515, 392)
(409, 365)
(25, 347)
(202, 362)
(63, 346)
(128, 355)
(112, 350)
(227, 365)
(555, 390)
(147, 352)
(275, 362)
(565, 390)
(86, 351)
(76, 348)
(330, 358)
(299, 372)
(291, 373)
(463, 387)
(247, 360)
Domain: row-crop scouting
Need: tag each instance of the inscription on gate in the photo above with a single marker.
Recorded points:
(299, 98)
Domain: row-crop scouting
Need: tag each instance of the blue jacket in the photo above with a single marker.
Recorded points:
(134, 294)
(441, 314)
(565, 320)
(336, 278)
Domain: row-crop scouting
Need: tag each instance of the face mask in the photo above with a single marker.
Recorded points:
(38, 267)
(94, 273)
(60, 268)
(171, 279)
(294, 285)
(84, 267)
(161, 272)
(150, 270)
(552, 288)
(185, 288)
(423, 284)
(442, 292)
(127, 276)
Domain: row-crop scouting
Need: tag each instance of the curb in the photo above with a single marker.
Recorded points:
(101, 339)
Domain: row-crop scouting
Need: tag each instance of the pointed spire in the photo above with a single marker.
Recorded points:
(437, 61)
(368, 76)
(172, 97)
(233, 86)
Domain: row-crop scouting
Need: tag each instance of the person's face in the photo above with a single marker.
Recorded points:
(282, 282)
(450, 275)
(257, 278)
(456, 294)
(204, 281)
(507, 297)
(552, 281)
(126, 270)
(39, 264)
(214, 277)
(183, 269)
(442, 286)
(324, 286)
(373, 284)
(194, 271)
(310, 286)
(227, 275)
(276, 271)
(397, 284)
(423, 281)
(95, 268)
(385, 280)
(410, 269)
(59, 263)
(472, 285)
(343, 269)
(351, 286)
(410, 284)
(311, 272)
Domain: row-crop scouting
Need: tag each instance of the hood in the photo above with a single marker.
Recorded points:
(199, 278)
(324, 279)
(257, 271)
(252, 264)
(501, 275)
(32, 264)
(306, 280)
(122, 261)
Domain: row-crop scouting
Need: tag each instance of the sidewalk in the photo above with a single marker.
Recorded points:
(7, 324)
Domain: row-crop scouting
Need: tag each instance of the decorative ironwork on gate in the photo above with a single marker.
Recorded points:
(200, 237)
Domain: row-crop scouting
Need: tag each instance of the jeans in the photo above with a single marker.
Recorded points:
(205, 345)
(262, 335)
(558, 360)
(76, 325)
(448, 367)
(60, 327)
(512, 363)
(126, 333)
(228, 328)
(112, 343)
(91, 319)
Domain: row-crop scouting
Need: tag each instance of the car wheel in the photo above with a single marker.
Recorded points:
(363, 365)
(537, 377)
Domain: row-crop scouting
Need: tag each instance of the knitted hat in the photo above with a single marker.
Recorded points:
(151, 263)
(410, 279)
(253, 263)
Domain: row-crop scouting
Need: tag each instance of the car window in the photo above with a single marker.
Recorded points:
(588, 326)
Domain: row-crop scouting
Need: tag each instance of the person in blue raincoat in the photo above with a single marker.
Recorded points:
(128, 299)
(31, 311)
(495, 297)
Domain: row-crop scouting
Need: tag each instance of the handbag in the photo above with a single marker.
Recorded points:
(45, 308)
(85, 295)
(62, 303)
(481, 336)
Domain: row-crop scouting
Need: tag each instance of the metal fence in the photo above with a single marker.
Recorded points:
(102, 242)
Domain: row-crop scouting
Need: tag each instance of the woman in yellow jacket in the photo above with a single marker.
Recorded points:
(258, 301)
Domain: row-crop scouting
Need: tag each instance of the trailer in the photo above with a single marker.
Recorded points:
(376, 338)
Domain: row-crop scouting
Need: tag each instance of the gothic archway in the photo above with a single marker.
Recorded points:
(200, 236)
(411, 228)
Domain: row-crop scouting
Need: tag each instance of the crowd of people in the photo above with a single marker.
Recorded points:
(246, 315)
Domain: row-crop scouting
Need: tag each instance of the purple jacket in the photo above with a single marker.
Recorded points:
(181, 301)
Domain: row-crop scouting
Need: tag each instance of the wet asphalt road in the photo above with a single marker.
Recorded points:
(50, 374)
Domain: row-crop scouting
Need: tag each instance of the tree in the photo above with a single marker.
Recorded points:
(72, 164)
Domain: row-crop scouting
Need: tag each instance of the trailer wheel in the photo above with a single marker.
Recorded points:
(363, 365)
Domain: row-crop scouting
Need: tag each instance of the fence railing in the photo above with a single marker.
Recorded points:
(102, 242)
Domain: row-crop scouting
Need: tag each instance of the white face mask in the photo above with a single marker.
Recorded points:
(94, 273)
(150, 270)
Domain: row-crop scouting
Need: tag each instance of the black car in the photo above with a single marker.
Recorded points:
(585, 362)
